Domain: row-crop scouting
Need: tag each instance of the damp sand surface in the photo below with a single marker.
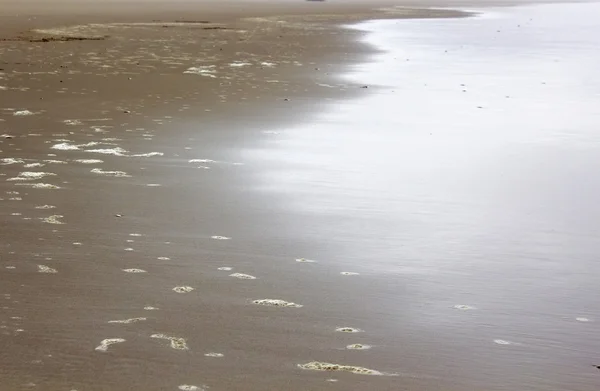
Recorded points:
(121, 278)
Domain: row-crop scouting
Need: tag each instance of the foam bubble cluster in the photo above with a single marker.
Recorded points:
(348, 330)
(104, 344)
(188, 387)
(183, 289)
(276, 303)
(46, 269)
(324, 366)
(463, 307)
(176, 342)
(134, 271)
(127, 321)
(242, 276)
(54, 219)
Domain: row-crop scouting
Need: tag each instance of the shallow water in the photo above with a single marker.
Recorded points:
(463, 188)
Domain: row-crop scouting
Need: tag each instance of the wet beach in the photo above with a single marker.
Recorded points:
(373, 211)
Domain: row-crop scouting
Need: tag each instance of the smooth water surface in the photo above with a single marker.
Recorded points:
(467, 175)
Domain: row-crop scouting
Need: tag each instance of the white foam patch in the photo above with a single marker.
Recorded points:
(149, 154)
(349, 274)
(163, 258)
(183, 289)
(189, 387)
(463, 307)
(46, 269)
(212, 354)
(304, 260)
(117, 151)
(242, 276)
(45, 207)
(134, 271)
(31, 176)
(65, 147)
(217, 237)
(582, 319)
(72, 122)
(239, 64)
(118, 174)
(150, 308)
(207, 70)
(54, 219)
(89, 161)
(268, 64)
(22, 113)
(346, 329)
(104, 344)
(202, 161)
(502, 342)
(127, 321)
(328, 367)
(54, 161)
(276, 303)
(176, 342)
(39, 185)
(34, 165)
(10, 160)
(225, 268)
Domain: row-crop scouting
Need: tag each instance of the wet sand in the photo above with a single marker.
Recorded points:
(151, 256)
(123, 197)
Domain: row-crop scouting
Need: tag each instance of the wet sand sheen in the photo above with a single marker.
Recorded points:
(159, 300)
